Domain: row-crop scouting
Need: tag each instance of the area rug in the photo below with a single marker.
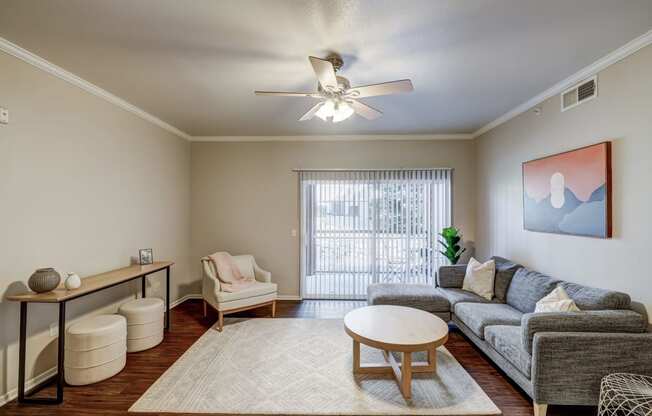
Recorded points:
(302, 366)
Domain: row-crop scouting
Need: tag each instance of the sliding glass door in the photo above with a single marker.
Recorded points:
(362, 227)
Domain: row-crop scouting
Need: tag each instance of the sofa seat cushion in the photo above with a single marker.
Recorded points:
(507, 341)
(590, 298)
(527, 288)
(477, 316)
(256, 289)
(455, 296)
(418, 296)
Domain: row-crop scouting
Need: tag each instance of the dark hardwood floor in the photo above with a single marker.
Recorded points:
(115, 396)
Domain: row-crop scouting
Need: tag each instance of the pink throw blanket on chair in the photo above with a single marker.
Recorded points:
(228, 273)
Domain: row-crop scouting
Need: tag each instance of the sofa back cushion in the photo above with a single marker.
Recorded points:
(505, 270)
(527, 288)
(590, 298)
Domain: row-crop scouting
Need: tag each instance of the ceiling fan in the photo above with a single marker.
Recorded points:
(338, 99)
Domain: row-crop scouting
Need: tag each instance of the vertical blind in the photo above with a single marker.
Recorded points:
(360, 227)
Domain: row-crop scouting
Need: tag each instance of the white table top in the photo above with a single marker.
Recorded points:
(396, 328)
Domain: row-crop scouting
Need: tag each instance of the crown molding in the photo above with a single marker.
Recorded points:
(35, 60)
(334, 138)
(587, 72)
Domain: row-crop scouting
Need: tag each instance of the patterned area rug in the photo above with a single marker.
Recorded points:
(302, 366)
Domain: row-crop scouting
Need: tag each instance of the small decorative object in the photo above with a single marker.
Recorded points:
(570, 192)
(72, 281)
(44, 280)
(451, 239)
(146, 256)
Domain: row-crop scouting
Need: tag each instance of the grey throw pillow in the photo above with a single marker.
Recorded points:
(505, 270)
(527, 288)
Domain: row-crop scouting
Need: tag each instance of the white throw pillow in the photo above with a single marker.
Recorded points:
(556, 301)
(479, 278)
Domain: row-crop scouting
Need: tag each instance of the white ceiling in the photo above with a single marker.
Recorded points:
(196, 63)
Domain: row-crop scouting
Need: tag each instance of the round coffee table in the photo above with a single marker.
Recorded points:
(396, 329)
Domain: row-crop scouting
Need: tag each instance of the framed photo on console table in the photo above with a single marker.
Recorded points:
(570, 192)
(146, 256)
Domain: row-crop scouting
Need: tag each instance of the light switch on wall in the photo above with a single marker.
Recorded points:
(4, 116)
(293, 233)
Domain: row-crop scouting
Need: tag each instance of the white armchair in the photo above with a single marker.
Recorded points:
(261, 293)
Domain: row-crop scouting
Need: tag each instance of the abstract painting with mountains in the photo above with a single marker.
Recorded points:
(569, 193)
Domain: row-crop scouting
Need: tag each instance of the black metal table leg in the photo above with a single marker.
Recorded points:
(167, 298)
(144, 285)
(21, 351)
(59, 377)
(61, 352)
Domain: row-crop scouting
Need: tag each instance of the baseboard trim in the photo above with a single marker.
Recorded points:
(199, 296)
(185, 298)
(289, 297)
(33, 382)
(13, 393)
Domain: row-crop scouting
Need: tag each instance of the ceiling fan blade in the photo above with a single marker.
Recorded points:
(325, 73)
(288, 94)
(311, 113)
(385, 88)
(364, 110)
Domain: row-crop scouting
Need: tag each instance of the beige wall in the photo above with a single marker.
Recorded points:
(245, 195)
(83, 186)
(623, 113)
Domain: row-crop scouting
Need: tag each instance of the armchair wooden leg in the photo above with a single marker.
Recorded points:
(274, 309)
(205, 312)
(540, 409)
(220, 321)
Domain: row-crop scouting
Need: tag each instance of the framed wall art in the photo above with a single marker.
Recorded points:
(570, 192)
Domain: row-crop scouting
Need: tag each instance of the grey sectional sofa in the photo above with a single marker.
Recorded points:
(556, 358)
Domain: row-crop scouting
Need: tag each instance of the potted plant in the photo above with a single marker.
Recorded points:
(451, 238)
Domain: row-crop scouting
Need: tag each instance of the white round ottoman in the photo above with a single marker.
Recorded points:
(96, 349)
(144, 323)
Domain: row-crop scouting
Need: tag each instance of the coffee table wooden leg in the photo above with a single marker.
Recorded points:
(356, 356)
(406, 375)
(432, 359)
(402, 372)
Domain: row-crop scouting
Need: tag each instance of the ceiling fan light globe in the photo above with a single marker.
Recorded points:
(342, 112)
(327, 110)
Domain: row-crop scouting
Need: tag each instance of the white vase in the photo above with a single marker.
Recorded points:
(72, 281)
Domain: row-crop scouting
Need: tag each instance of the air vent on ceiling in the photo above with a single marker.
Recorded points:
(580, 93)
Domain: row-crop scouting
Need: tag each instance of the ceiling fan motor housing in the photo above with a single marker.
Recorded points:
(343, 84)
(336, 60)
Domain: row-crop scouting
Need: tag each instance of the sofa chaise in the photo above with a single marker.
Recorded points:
(556, 358)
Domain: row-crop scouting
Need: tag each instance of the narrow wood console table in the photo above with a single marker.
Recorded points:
(89, 285)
